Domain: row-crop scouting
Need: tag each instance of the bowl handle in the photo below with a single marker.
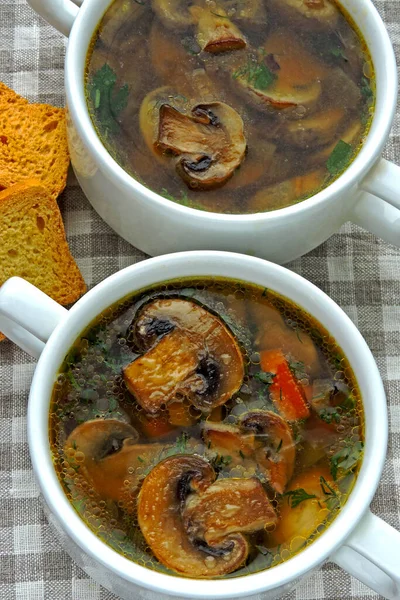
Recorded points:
(59, 13)
(372, 555)
(378, 208)
(27, 316)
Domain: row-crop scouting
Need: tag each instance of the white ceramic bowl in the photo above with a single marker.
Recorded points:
(366, 193)
(357, 540)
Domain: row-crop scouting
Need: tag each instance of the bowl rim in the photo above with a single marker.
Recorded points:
(384, 62)
(209, 263)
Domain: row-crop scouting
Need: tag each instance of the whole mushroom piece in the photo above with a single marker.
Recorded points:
(176, 516)
(188, 353)
(210, 143)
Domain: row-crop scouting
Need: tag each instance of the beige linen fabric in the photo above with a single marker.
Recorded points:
(359, 271)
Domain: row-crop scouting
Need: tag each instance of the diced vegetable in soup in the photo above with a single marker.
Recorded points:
(227, 106)
(206, 428)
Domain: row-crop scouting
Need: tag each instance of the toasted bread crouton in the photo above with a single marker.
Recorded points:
(33, 143)
(33, 243)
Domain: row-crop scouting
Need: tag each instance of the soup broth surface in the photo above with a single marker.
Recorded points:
(206, 428)
(232, 107)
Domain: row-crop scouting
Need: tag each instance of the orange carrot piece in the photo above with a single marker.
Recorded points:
(286, 392)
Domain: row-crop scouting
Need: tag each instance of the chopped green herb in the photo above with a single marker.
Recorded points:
(339, 159)
(256, 74)
(108, 102)
(221, 461)
(332, 500)
(349, 403)
(339, 53)
(265, 377)
(346, 459)
(329, 415)
(181, 442)
(241, 454)
(299, 369)
(263, 550)
(218, 15)
(279, 446)
(74, 445)
(112, 404)
(366, 89)
(265, 292)
(140, 459)
(295, 497)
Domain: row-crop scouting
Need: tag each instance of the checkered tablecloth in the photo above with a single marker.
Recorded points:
(360, 272)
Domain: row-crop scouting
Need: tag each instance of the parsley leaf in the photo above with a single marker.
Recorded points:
(366, 89)
(339, 53)
(329, 415)
(108, 102)
(339, 158)
(346, 458)
(256, 74)
(295, 497)
(265, 377)
(181, 442)
(332, 500)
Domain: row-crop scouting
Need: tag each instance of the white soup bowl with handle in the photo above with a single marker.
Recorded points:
(367, 193)
(357, 540)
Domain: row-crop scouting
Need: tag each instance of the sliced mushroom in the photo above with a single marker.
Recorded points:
(215, 31)
(208, 368)
(311, 14)
(160, 502)
(174, 14)
(228, 440)
(229, 506)
(156, 377)
(287, 192)
(314, 131)
(276, 449)
(351, 135)
(210, 144)
(105, 453)
(296, 85)
(150, 112)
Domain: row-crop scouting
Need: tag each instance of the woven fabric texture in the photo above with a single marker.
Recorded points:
(359, 271)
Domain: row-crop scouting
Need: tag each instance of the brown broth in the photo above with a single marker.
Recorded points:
(292, 152)
(90, 386)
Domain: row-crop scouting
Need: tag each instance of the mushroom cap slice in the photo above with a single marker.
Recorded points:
(159, 505)
(276, 452)
(157, 376)
(314, 131)
(220, 368)
(105, 452)
(228, 506)
(149, 113)
(228, 440)
(174, 14)
(312, 14)
(210, 143)
(215, 31)
(295, 87)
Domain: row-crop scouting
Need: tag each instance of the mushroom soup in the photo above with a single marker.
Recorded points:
(206, 428)
(270, 99)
